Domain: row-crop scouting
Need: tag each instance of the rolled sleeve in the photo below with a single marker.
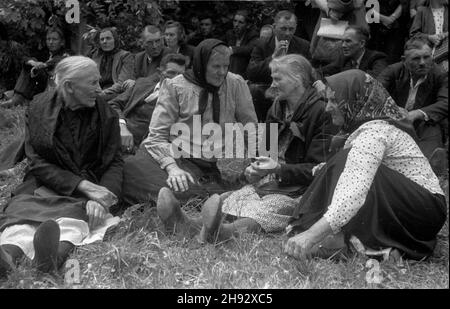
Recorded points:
(164, 116)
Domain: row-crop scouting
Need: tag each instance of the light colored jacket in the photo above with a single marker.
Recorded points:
(178, 104)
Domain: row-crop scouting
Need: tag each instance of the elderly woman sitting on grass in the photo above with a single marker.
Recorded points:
(75, 175)
(303, 141)
(379, 191)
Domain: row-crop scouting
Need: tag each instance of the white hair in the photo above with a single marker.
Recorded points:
(296, 67)
(70, 68)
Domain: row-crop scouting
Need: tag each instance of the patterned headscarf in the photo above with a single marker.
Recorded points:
(361, 98)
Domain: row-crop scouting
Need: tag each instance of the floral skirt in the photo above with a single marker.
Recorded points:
(272, 212)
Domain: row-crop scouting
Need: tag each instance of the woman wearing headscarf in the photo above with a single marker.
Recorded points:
(205, 94)
(75, 175)
(379, 190)
(115, 64)
(304, 131)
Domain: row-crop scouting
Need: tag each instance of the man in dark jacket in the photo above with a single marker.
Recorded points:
(421, 87)
(135, 106)
(355, 55)
(282, 42)
(147, 62)
(241, 39)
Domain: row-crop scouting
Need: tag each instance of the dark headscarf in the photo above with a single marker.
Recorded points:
(197, 76)
(361, 98)
(107, 57)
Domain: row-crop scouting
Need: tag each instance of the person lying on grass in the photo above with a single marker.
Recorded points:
(75, 174)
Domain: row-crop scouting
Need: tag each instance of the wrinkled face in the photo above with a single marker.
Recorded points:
(107, 41)
(284, 28)
(217, 69)
(172, 69)
(333, 109)
(239, 25)
(153, 43)
(351, 44)
(171, 36)
(84, 89)
(282, 83)
(54, 41)
(419, 61)
(206, 26)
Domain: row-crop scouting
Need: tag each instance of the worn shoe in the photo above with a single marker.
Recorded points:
(46, 243)
(6, 263)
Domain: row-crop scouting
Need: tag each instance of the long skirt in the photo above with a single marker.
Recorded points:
(272, 211)
(143, 178)
(397, 213)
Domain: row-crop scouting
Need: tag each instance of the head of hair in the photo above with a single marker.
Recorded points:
(71, 68)
(180, 29)
(243, 13)
(57, 30)
(416, 43)
(296, 67)
(114, 33)
(206, 15)
(174, 58)
(150, 29)
(284, 14)
(361, 32)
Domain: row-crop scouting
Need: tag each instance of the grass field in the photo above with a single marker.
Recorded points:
(137, 254)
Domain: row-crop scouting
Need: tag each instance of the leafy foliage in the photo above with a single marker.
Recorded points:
(25, 21)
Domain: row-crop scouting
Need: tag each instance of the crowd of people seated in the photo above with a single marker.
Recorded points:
(361, 110)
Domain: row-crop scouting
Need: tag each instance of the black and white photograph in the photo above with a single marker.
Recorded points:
(224, 150)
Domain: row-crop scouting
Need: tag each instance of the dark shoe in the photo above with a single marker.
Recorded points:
(46, 243)
(211, 218)
(438, 161)
(6, 263)
(169, 211)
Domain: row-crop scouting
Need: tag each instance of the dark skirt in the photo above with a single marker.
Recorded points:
(143, 178)
(397, 213)
(32, 209)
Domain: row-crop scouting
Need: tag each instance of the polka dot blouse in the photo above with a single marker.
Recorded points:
(373, 143)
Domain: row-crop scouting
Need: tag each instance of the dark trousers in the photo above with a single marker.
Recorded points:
(28, 86)
(431, 136)
(261, 103)
(143, 178)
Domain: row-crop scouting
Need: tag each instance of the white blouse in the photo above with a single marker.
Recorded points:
(373, 143)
